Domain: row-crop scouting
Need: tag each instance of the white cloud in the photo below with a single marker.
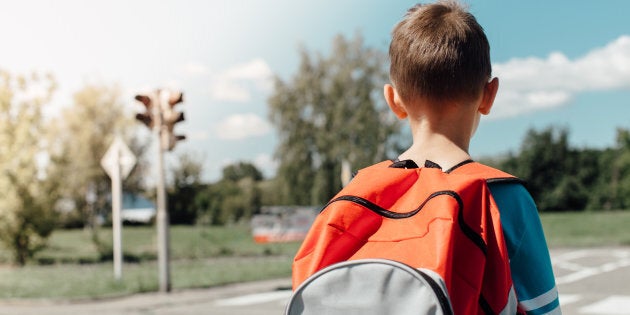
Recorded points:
(193, 68)
(530, 84)
(241, 126)
(256, 69)
(228, 90)
(237, 83)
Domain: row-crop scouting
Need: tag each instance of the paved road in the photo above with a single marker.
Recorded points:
(591, 281)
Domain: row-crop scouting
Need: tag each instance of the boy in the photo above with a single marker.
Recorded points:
(441, 83)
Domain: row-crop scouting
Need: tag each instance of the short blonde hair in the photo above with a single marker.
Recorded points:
(440, 52)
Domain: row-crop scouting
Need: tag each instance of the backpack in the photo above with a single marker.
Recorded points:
(446, 222)
(371, 287)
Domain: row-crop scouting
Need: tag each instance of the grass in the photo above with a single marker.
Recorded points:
(72, 267)
(97, 281)
(587, 229)
(140, 244)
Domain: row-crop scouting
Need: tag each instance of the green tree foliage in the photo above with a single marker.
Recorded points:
(186, 185)
(241, 170)
(543, 162)
(237, 196)
(612, 188)
(331, 110)
(269, 194)
(562, 178)
(28, 179)
(84, 132)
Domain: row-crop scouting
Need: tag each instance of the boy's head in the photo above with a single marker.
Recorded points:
(439, 52)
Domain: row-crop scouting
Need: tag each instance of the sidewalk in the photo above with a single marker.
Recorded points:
(194, 301)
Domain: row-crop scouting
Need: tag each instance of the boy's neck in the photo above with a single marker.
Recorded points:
(440, 151)
(444, 142)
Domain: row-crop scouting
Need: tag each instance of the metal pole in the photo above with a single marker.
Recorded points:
(346, 172)
(162, 213)
(116, 220)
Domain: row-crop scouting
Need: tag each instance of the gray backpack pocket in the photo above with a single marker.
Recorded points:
(371, 286)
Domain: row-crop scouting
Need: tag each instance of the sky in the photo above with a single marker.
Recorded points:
(559, 63)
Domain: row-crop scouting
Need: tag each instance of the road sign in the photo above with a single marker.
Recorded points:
(118, 153)
(118, 163)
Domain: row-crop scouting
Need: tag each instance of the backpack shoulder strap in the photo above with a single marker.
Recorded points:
(478, 170)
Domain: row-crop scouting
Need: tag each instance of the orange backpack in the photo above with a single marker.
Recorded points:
(447, 222)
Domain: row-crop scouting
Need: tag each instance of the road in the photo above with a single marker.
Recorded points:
(590, 281)
(593, 281)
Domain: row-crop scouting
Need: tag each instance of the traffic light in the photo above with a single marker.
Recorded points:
(170, 117)
(146, 117)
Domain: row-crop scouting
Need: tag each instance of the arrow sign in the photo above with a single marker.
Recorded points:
(118, 153)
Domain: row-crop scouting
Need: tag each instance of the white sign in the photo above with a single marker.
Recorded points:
(118, 163)
(118, 153)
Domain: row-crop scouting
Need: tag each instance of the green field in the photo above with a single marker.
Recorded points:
(580, 229)
(140, 244)
(71, 267)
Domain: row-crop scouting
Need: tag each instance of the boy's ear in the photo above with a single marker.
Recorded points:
(394, 101)
(489, 94)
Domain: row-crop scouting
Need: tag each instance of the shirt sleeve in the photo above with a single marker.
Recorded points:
(530, 264)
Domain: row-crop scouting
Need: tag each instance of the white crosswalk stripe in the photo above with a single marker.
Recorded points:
(613, 305)
(566, 299)
(594, 265)
(258, 298)
(579, 272)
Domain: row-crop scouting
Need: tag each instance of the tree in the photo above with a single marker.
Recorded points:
(235, 197)
(541, 163)
(611, 190)
(28, 180)
(241, 170)
(329, 112)
(184, 189)
(559, 177)
(84, 132)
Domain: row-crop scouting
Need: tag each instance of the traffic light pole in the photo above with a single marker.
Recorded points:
(161, 119)
(162, 220)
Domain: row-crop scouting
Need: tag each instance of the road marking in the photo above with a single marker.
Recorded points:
(613, 305)
(592, 271)
(568, 265)
(575, 254)
(568, 298)
(579, 272)
(257, 298)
